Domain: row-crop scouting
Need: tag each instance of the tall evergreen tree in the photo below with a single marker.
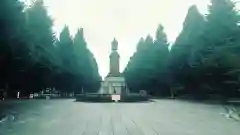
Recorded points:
(135, 66)
(140, 45)
(67, 74)
(41, 40)
(221, 43)
(13, 50)
(41, 35)
(31, 57)
(222, 22)
(161, 52)
(65, 48)
(86, 63)
(147, 67)
(81, 50)
(185, 49)
(200, 58)
(188, 40)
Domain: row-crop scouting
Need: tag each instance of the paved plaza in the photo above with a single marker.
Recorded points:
(161, 117)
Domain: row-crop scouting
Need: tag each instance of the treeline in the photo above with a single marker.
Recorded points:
(204, 59)
(33, 58)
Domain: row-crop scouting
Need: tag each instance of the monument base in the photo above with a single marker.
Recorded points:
(97, 97)
(113, 85)
(94, 97)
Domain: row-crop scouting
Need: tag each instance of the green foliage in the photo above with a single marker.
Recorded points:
(32, 58)
(65, 49)
(40, 34)
(222, 21)
(220, 45)
(11, 27)
(211, 53)
(183, 53)
(87, 63)
(203, 60)
(146, 68)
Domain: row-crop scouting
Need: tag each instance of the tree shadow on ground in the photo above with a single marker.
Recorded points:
(211, 101)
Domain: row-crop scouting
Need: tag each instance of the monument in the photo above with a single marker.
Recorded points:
(114, 82)
(113, 87)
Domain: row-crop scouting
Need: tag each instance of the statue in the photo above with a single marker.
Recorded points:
(114, 44)
(114, 59)
(113, 83)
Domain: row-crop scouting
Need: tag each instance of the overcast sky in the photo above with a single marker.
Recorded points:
(127, 20)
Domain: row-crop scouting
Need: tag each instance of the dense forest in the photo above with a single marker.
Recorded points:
(203, 60)
(33, 57)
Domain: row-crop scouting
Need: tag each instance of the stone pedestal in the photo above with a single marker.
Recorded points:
(113, 85)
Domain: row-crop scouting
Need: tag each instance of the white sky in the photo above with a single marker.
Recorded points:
(127, 20)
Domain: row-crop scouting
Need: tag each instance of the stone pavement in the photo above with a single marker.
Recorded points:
(162, 117)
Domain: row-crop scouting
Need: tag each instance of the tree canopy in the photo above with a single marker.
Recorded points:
(146, 68)
(203, 59)
(32, 57)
